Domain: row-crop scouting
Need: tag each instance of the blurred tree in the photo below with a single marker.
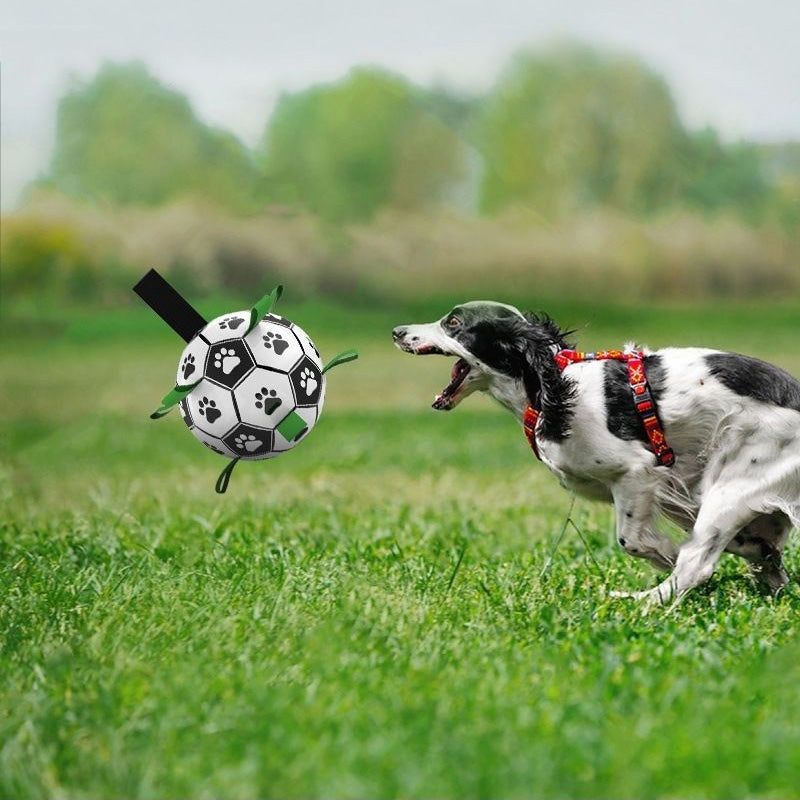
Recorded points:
(457, 111)
(786, 186)
(565, 129)
(780, 163)
(348, 149)
(569, 127)
(126, 138)
(725, 176)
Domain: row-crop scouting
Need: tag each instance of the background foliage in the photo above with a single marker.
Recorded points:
(574, 163)
(125, 138)
(346, 151)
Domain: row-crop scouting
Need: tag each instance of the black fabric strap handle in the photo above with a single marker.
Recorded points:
(183, 318)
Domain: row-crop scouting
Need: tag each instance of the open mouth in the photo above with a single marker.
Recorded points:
(446, 399)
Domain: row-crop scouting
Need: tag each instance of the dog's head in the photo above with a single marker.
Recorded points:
(496, 346)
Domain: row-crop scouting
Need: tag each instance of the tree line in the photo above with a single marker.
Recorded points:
(564, 129)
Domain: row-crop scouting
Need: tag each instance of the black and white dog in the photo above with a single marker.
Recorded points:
(732, 421)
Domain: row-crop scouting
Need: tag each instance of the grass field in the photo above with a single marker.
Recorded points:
(407, 605)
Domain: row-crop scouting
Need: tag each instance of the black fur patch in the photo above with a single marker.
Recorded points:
(622, 420)
(495, 343)
(751, 377)
(545, 384)
(520, 348)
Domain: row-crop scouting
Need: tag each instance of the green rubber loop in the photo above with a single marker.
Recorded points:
(264, 306)
(225, 477)
(171, 399)
(341, 358)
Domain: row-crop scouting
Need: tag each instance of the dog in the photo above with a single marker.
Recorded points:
(733, 423)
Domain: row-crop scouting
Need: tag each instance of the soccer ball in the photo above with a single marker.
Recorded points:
(260, 392)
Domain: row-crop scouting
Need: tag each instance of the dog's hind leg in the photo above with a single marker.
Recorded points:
(635, 506)
(761, 542)
(723, 512)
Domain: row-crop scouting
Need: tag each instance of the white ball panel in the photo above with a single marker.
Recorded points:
(192, 362)
(212, 409)
(217, 445)
(274, 346)
(228, 326)
(264, 398)
(308, 346)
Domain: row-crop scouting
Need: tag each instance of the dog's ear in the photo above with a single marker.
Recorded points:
(516, 347)
(537, 352)
(545, 384)
(541, 338)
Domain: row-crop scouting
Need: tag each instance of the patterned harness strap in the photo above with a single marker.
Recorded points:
(529, 420)
(642, 399)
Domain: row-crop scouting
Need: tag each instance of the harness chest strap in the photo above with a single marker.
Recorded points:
(529, 420)
(642, 400)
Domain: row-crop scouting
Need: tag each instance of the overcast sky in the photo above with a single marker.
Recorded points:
(733, 64)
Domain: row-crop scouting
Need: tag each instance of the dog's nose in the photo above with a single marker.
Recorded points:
(398, 333)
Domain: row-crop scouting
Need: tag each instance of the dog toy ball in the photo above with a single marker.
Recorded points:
(250, 384)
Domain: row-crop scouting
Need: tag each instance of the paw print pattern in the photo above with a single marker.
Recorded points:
(226, 360)
(276, 342)
(231, 323)
(308, 382)
(268, 400)
(208, 409)
(248, 442)
(188, 366)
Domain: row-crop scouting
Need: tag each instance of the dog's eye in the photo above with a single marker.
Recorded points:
(452, 322)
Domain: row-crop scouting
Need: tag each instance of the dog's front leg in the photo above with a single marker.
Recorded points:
(635, 506)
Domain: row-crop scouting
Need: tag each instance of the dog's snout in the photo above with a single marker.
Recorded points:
(399, 333)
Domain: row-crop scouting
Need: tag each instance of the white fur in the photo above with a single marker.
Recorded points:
(738, 461)
(735, 482)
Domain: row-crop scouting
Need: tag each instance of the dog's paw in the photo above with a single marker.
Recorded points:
(627, 595)
(657, 597)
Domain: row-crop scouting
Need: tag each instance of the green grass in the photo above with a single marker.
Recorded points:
(407, 605)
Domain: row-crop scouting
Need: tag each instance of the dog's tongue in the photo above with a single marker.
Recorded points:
(460, 371)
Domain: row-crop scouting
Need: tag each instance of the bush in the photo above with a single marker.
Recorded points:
(47, 258)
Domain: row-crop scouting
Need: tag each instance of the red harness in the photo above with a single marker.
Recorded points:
(642, 399)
